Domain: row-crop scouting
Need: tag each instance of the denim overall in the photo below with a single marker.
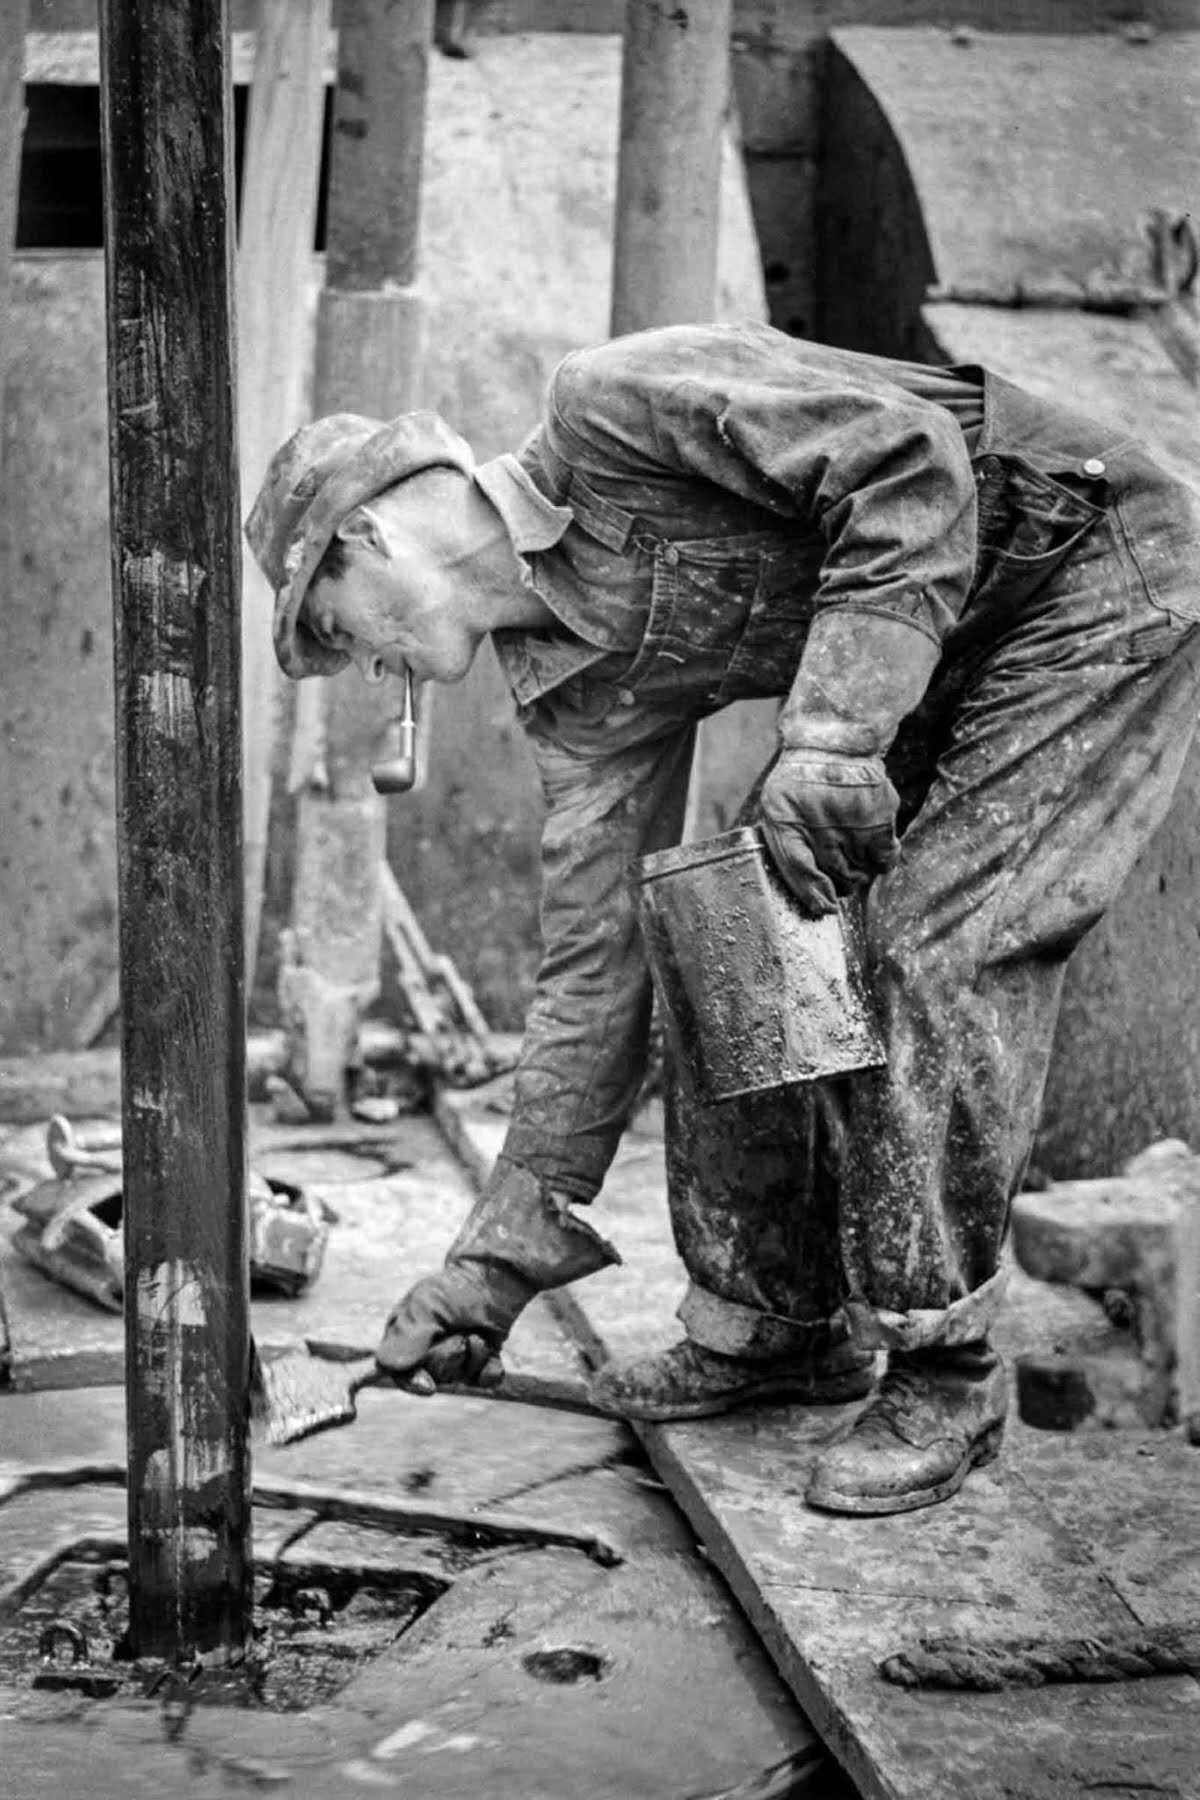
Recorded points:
(1035, 770)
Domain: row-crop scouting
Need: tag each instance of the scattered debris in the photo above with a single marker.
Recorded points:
(1137, 1232)
(328, 1048)
(72, 1228)
(288, 1234)
(314, 1627)
(444, 1009)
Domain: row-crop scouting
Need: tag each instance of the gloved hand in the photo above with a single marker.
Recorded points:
(452, 1324)
(520, 1239)
(828, 808)
(829, 823)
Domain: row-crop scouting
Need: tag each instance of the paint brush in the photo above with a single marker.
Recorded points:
(300, 1393)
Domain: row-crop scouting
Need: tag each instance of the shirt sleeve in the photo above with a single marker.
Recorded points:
(614, 792)
(813, 434)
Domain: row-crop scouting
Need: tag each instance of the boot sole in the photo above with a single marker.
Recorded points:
(856, 1384)
(984, 1451)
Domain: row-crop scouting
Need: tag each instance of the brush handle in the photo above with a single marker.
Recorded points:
(520, 1389)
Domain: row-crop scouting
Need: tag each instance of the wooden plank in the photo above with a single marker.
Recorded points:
(1062, 1536)
(166, 121)
(775, 22)
(791, 22)
(776, 19)
(72, 58)
(274, 276)
(831, 1598)
(12, 129)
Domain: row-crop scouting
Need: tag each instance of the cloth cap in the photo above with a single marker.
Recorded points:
(321, 474)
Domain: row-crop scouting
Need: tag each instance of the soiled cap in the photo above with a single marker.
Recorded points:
(320, 475)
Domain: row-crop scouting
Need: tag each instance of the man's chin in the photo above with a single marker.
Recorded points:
(447, 670)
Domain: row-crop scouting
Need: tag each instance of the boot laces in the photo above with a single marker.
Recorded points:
(899, 1389)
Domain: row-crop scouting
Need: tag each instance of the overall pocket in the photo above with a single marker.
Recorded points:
(702, 596)
(1029, 523)
(768, 652)
(1158, 531)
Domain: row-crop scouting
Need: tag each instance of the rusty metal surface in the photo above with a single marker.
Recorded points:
(1035, 155)
(755, 994)
(167, 136)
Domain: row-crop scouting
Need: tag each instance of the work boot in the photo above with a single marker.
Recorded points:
(937, 1414)
(690, 1382)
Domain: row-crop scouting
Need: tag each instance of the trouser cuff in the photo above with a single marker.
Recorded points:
(962, 1322)
(732, 1329)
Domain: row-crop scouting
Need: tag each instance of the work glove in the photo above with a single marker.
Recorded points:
(828, 808)
(519, 1240)
(829, 823)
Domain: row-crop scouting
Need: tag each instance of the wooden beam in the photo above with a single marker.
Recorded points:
(275, 269)
(167, 136)
(777, 22)
(12, 129)
(674, 97)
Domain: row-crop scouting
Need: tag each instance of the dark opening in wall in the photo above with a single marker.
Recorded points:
(59, 204)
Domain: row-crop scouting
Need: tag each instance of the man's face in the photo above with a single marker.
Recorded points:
(388, 612)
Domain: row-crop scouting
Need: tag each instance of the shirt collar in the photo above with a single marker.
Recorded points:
(532, 522)
(535, 662)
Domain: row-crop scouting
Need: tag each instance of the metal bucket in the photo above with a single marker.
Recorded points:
(755, 995)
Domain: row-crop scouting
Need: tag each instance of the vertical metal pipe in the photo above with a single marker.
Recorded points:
(674, 96)
(166, 138)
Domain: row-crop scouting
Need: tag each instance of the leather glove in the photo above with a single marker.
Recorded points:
(828, 808)
(451, 1325)
(519, 1240)
(829, 823)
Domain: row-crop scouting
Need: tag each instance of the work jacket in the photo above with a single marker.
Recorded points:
(692, 497)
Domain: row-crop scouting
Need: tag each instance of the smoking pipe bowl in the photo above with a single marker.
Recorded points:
(398, 774)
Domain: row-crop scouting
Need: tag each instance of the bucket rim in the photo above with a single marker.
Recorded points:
(743, 840)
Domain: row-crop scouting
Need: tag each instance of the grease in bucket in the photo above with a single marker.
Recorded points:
(755, 994)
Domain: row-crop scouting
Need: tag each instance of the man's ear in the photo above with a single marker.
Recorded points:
(362, 526)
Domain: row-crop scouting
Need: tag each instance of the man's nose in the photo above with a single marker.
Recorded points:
(372, 668)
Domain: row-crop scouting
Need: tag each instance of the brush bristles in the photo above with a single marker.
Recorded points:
(292, 1429)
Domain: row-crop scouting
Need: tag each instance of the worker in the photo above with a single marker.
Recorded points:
(977, 610)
